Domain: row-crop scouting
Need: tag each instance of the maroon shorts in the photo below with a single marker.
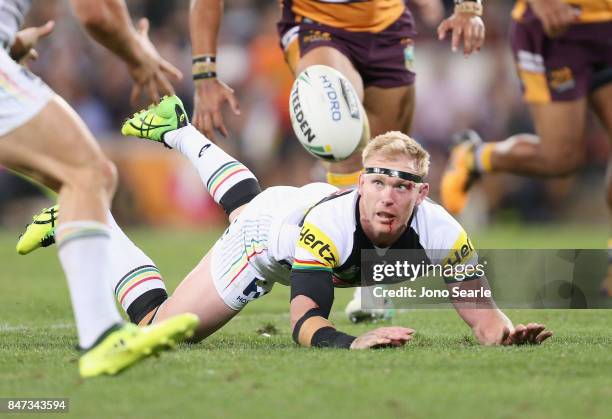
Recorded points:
(565, 68)
(383, 59)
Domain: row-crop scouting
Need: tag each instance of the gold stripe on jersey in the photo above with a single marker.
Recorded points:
(362, 16)
(590, 10)
(535, 87)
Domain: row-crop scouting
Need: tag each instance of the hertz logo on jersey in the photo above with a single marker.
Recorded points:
(319, 245)
(461, 251)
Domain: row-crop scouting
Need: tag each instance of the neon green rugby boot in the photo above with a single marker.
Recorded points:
(125, 344)
(154, 122)
(40, 232)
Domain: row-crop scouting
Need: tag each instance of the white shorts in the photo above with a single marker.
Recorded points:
(22, 94)
(235, 276)
(244, 263)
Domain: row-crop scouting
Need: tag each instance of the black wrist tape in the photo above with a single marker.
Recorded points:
(328, 337)
(207, 75)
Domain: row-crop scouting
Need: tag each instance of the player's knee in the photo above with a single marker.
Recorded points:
(98, 174)
(103, 173)
(111, 178)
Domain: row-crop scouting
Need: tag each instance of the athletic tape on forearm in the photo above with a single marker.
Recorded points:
(308, 325)
(312, 329)
(469, 6)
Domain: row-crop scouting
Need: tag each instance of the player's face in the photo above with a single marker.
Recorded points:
(387, 202)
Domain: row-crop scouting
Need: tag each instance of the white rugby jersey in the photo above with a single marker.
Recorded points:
(317, 228)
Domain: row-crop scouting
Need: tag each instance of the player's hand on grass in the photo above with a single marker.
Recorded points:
(22, 49)
(466, 26)
(150, 72)
(208, 99)
(555, 15)
(382, 337)
(533, 333)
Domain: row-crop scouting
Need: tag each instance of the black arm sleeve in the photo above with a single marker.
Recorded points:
(316, 285)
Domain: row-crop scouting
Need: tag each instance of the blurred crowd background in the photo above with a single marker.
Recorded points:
(160, 187)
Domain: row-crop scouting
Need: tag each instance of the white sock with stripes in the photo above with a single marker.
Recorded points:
(84, 252)
(135, 280)
(229, 182)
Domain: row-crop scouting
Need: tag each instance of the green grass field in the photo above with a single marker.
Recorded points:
(240, 373)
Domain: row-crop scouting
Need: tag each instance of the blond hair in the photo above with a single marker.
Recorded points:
(393, 144)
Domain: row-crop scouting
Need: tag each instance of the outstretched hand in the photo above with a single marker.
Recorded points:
(533, 333)
(151, 73)
(209, 96)
(463, 25)
(22, 49)
(382, 337)
(555, 15)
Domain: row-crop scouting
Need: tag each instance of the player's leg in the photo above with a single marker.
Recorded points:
(56, 145)
(388, 73)
(309, 43)
(389, 108)
(601, 103)
(139, 287)
(81, 171)
(556, 150)
(134, 278)
(555, 77)
(230, 183)
(197, 294)
(223, 282)
(40, 135)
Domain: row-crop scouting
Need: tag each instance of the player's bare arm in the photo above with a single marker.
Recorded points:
(489, 324)
(210, 93)
(465, 24)
(431, 11)
(108, 22)
(556, 16)
(22, 49)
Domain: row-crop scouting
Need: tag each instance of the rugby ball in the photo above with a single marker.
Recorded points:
(326, 114)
